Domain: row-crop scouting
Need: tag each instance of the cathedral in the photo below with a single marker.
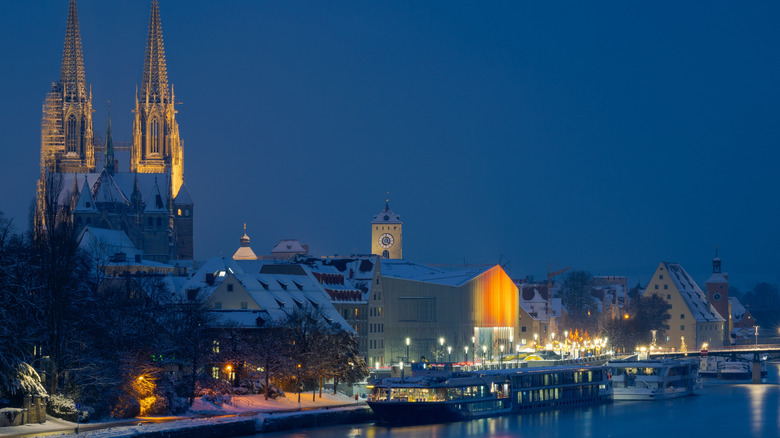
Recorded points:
(80, 174)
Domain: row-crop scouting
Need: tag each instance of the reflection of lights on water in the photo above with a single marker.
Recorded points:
(757, 395)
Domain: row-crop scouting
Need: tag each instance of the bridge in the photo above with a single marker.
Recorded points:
(771, 351)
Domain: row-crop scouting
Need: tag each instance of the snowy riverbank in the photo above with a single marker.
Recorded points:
(242, 415)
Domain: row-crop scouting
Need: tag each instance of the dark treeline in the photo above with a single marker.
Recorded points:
(128, 345)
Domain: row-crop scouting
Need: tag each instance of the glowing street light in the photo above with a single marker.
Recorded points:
(407, 348)
(466, 356)
(501, 361)
(484, 350)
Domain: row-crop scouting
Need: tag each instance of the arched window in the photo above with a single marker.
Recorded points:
(71, 135)
(155, 137)
(386, 254)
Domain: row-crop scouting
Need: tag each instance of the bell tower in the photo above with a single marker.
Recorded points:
(66, 126)
(717, 289)
(157, 147)
(386, 236)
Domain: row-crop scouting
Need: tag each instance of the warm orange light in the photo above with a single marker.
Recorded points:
(625, 316)
(495, 299)
(228, 367)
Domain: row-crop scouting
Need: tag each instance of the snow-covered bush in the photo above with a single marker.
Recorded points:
(64, 407)
(240, 390)
(217, 399)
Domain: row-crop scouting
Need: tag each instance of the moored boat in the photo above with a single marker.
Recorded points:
(457, 396)
(735, 370)
(653, 379)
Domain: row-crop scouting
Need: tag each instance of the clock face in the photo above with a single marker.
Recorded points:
(386, 240)
(716, 296)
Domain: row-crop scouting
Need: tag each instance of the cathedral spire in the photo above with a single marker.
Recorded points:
(155, 79)
(110, 162)
(72, 77)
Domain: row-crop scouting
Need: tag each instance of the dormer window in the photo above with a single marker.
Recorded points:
(298, 285)
(283, 285)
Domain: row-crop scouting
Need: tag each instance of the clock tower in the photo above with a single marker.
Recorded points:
(386, 235)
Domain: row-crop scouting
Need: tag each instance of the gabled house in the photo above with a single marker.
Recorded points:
(694, 321)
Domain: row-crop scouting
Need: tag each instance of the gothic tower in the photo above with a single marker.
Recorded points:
(386, 235)
(156, 144)
(66, 126)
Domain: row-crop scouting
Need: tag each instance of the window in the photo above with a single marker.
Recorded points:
(230, 287)
(668, 296)
(159, 222)
(656, 286)
(215, 372)
(666, 286)
(682, 327)
(522, 329)
(178, 212)
(244, 305)
(149, 221)
(71, 135)
(186, 212)
(217, 305)
(682, 316)
(215, 347)
(661, 277)
(154, 146)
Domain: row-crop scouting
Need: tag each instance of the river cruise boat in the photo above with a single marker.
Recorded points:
(654, 379)
(454, 396)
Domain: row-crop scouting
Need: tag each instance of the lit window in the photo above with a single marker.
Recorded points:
(215, 347)
(215, 372)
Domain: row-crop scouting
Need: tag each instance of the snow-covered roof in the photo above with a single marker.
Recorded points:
(86, 203)
(717, 278)
(107, 242)
(738, 311)
(183, 197)
(406, 270)
(123, 181)
(289, 246)
(387, 216)
(277, 289)
(155, 202)
(690, 292)
(108, 191)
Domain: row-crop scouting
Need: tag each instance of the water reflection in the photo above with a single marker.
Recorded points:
(722, 409)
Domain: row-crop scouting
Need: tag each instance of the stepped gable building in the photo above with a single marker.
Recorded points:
(694, 321)
(150, 203)
(386, 238)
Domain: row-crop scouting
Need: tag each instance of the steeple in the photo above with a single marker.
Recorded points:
(72, 77)
(110, 162)
(716, 262)
(154, 84)
(157, 147)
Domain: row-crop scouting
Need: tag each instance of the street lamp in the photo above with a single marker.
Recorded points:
(536, 338)
(402, 372)
(484, 350)
(407, 348)
(501, 361)
(466, 356)
(449, 354)
(756, 335)
(441, 345)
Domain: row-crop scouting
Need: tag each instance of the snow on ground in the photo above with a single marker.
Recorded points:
(258, 403)
(240, 405)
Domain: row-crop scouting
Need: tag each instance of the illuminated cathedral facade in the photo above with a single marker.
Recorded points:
(150, 202)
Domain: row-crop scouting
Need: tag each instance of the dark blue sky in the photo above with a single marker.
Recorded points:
(605, 137)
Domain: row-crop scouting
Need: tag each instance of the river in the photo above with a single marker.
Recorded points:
(721, 409)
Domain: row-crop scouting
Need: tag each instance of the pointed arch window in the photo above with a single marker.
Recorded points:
(155, 137)
(71, 134)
